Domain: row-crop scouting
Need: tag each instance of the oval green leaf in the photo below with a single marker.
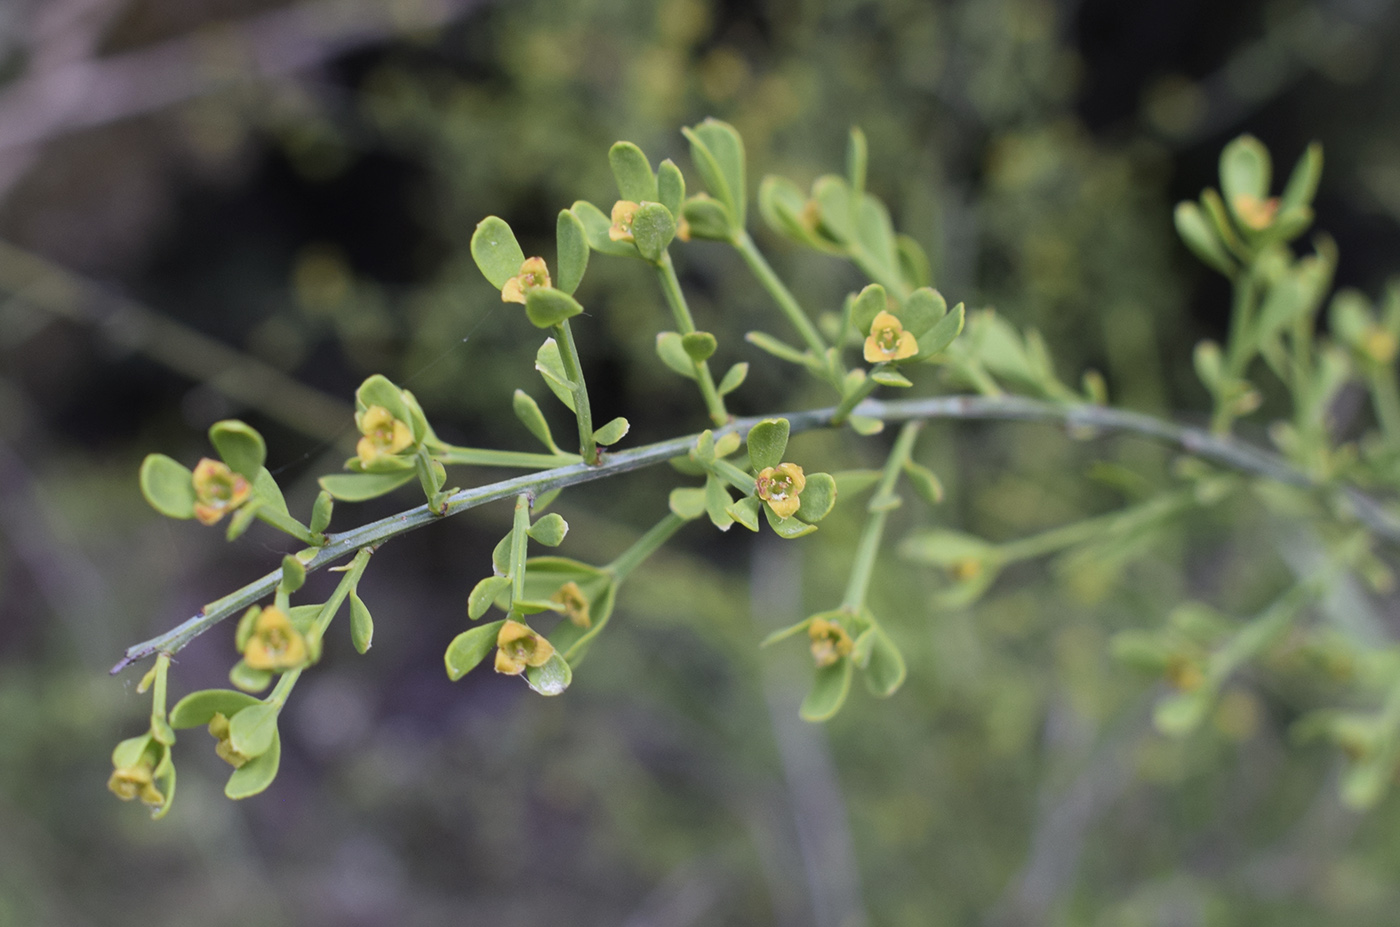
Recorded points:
(571, 241)
(496, 252)
(257, 774)
(767, 442)
(168, 486)
(361, 623)
(241, 447)
(828, 691)
(469, 648)
(547, 307)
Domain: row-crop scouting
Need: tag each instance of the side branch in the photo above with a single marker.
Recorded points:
(1226, 451)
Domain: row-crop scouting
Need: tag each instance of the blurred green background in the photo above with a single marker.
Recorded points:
(240, 208)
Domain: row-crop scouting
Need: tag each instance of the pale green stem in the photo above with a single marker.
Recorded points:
(1065, 536)
(284, 687)
(353, 571)
(568, 353)
(289, 525)
(868, 547)
(451, 455)
(158, 689)
(732, 475)
(519, 542)
(787, 303)
(1078, 417)
(644, 547)
(685, 324)
(849, 402)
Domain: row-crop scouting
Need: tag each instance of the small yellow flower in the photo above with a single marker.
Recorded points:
(518, 647)
(1255, 213)
(218, 727)
(1184, 673)
(575, 604)
(1379, 345)
(138, 781)
(780, 486)
(830, 642)
(966, 569)
(533, 274)
(218, 490)
(275, 645)
(622, 213)
(682, 229)
(384, 435)
(889, 341)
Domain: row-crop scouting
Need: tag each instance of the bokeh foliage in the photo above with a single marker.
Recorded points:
(1016, 776)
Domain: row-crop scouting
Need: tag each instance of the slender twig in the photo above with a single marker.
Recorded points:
(1218, 449)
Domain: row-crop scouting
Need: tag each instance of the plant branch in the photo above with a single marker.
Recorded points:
(1222, 450)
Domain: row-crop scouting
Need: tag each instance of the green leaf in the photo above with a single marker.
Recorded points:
(361, 623)
(869, 303)
(817, 497)
(766, 342)
(670, 347)
(358, 487)
(834, 204)
(923, 310)
(767, 443)
(705, 447)
(613, 432)
(1209, 365)
(1199, 235)
(129, 751)
(653, 229)
(1182, 712)
(550, 365)
(632, 170)
(745, 511)
(293, 575)
(496, 252)
(379, 390)
(828, 691)
(241, 519)
(856, 159)
(266, 489)
(687, 501)
(242, 448)
(885, 670)
(850, 482)
(717, 501)
(782, 205)
(865, 425)
(321, 512)
(945, 548)
(924, 481)
(875, 235)
(168, 486)
(471, 647)
(787, 528)
(943, 334)
(1244, 170)
(596, 225)
(670, 187)
(783, 634)
(529, 414)
(718, 153)
(707, 218)
(888, 376)
(257, 774)
(500, 555)
(913, 262)
(572, 244)
(248, 679)
(549, 530)
(733, 378)
(1302, 183)
(484, 593)
(547, 307)
(699, 346)
(199, 708)
(552, 678)
(252, 730)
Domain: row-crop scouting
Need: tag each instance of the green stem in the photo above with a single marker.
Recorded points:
(1078, 417)
(1238, 354)
(733, 476)
(644, 547)
(353, 571)
(787, 303)
(519, 542)
(685, 324)
(158, 689)
(853, 399)
(1065, 536)
(451, 454)
(283, 688)
(868, 547)
(568, 353)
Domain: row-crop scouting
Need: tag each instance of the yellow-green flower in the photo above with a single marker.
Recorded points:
(575, 603)
(218, 727)
(518, 647)
(1255, 213)
(217, 490)
(138, 781)
(1379, 345)
(533, 274)
(275, 645)
(889, 341)
(1184, 673)
(780, 486)
(622, 213)
(830, 642)
(384, 435)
